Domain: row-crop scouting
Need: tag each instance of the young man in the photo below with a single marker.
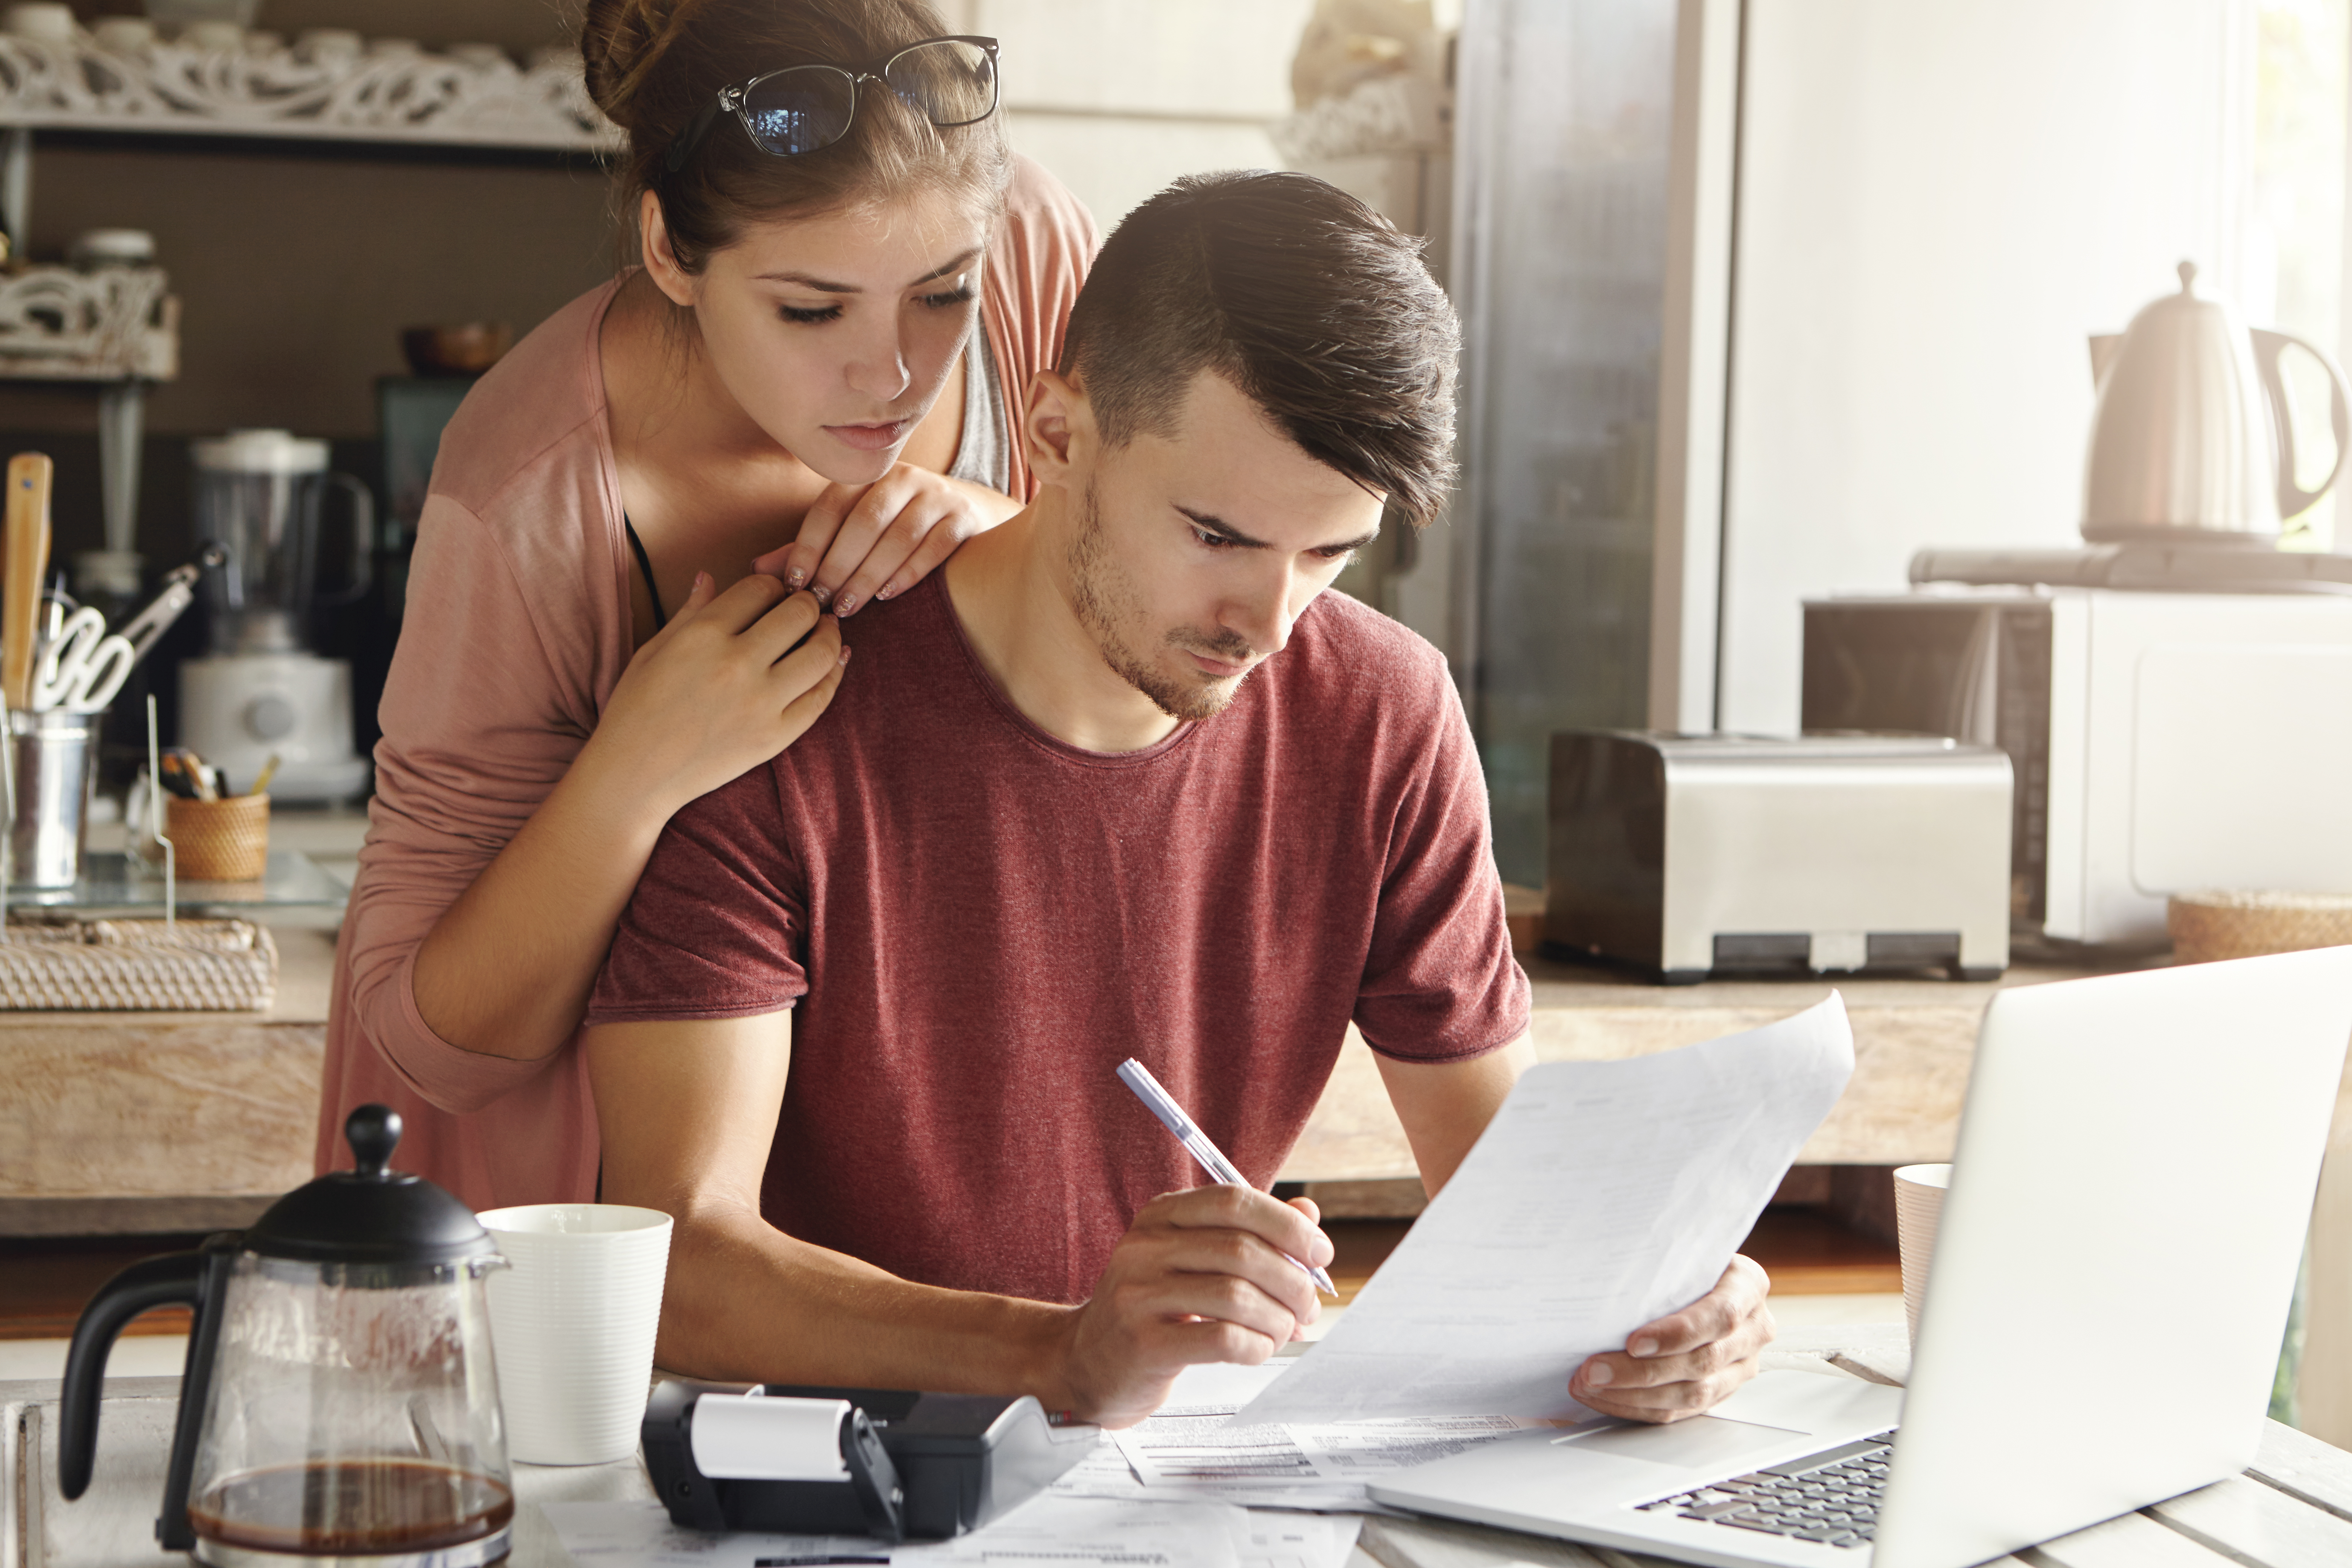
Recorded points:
(1122, 780)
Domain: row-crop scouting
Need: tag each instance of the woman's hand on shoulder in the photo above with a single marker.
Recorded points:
(729, 682)
(861, 542)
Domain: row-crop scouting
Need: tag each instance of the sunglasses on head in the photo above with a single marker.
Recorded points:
(951, 81)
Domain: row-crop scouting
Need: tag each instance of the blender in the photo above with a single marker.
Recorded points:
(259, 690)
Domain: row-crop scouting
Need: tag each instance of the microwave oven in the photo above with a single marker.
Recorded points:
(2160, 742)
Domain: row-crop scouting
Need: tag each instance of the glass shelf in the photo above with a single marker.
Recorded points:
(114, 880)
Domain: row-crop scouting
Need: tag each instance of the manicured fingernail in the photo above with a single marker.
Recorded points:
(1598, 1375)
(797, 577)
(699, 579)
(822, 595)
(846, 605)
(844, 653)
(1642, 1347)
(887, 589)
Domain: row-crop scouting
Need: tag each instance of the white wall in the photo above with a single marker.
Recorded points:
(1936, 204)
(1119, 97)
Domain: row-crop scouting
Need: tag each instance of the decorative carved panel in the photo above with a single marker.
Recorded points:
(387, 92)
(57, 324)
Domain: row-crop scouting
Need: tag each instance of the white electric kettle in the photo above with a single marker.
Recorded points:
(2192, 441)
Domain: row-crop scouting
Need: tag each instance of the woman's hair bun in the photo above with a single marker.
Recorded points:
(621, 44)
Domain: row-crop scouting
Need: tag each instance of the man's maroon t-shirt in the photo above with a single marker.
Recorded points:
(977, 923)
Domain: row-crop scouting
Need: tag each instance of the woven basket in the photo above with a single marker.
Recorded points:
(2217, 925)
(220, 840)
(59, 963)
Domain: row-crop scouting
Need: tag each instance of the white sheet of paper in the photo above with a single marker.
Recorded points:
(1066, 1532)
(1221, 1386)
(1296, 1540)
(1603, 1196)
(1319, 1467)
(1104, 1472)
(1188, 1449)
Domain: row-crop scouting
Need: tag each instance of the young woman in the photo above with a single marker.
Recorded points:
(812, 384)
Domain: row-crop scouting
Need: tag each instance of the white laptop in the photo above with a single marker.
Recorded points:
(2112, 1275)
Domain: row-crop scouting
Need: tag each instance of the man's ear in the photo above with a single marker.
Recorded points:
(1059, 430)
(661, 261)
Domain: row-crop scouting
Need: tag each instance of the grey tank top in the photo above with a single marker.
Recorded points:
(983, 450)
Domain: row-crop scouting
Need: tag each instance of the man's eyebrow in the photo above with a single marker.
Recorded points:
(1211, 523)
(826, 286)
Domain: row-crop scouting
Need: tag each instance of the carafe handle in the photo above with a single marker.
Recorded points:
(177, 1280)
(195, 1279)
(362, 544)
(2292, 496)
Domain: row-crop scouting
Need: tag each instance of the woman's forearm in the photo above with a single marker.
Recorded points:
(506, 970)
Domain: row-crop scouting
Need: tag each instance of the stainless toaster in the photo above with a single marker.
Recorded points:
(1685, 855)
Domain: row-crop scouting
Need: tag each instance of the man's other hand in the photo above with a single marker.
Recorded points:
(1201, 1276)
(1688, 1362)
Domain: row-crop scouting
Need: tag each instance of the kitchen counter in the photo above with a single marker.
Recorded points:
(128, 1122)
(120, 1123)
(163, 1122)
(1914, 1041)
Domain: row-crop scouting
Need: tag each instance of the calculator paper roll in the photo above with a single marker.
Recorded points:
(753, 1438)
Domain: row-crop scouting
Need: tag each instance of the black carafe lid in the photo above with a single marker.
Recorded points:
(372, 1215)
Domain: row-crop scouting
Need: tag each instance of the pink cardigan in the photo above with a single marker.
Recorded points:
(517, 627)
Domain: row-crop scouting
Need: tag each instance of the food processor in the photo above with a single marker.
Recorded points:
(259, 690)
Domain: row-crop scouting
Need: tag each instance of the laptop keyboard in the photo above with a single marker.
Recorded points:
(1830, 1497)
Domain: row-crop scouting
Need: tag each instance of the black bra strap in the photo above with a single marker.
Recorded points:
(645, 566)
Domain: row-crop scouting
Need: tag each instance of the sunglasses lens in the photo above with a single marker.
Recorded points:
(950, 83)
(799, 111)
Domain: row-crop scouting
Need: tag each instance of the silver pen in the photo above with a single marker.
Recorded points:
(1162, 1104)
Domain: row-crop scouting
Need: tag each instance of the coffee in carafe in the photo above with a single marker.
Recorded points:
(375, 1507)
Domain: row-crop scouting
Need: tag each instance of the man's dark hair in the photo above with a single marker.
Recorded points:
(1309, 302)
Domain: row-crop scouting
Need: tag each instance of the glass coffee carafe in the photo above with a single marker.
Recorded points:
(340, 1402)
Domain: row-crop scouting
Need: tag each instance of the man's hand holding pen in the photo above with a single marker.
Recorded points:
(1201, 1276)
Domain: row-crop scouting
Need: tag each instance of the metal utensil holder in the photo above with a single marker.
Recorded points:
(52, 764)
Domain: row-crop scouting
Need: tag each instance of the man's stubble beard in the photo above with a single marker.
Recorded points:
(1102, 596)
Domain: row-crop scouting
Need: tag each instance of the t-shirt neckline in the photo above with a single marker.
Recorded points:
(1028, 728)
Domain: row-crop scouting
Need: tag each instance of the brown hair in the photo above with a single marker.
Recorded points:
(654, 65)
(1309, 302)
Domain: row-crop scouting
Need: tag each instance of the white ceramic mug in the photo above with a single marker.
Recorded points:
(1919, 1204)
(572, 1324)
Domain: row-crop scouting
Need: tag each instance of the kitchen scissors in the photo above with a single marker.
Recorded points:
(83, 667)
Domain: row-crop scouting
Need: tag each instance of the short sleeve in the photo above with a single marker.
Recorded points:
(718, 926)
(1440, 984)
